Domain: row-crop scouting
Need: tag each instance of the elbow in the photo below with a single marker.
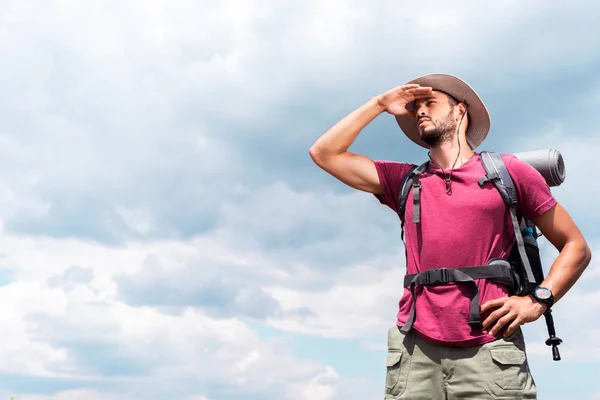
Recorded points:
(584, 253)
(316, 154)
(313, 151)
(587, 254)
(323, 155)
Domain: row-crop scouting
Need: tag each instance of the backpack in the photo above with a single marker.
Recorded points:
(521, 271)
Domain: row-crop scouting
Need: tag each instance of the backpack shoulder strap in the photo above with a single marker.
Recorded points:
(497, 173)
(407, 182)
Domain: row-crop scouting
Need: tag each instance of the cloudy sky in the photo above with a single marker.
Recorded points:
(164, 233)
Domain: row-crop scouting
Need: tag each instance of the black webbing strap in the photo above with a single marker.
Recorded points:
(416, 184)
(405, 186)
(407, 182)
(497, 270)
(521, 245)
(497, 173)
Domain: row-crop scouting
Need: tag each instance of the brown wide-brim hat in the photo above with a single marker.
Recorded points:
(479, 118)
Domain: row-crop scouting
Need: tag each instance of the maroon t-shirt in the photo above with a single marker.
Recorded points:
(465, 228)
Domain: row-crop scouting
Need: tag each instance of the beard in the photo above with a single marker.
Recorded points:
(443, 130)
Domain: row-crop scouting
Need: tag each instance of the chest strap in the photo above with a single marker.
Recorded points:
(497, 270)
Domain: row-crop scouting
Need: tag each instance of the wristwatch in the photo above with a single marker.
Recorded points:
(543, 295)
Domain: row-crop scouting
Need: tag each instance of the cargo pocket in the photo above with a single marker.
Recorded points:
(509, 375)
(395, 379)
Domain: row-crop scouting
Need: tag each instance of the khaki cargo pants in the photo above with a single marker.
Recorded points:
(419, 370)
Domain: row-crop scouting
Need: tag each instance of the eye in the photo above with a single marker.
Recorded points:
(430, 102)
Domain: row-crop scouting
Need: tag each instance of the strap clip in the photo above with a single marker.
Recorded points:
(437, 276)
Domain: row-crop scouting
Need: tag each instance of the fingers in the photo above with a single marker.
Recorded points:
(499, 325)
(414, 88)
(494, 316)
(512, 328)
(413, 92)
(421, 90)
(395, 100)
(511, 313)
(493, 304)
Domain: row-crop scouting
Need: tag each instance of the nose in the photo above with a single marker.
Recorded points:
(420, 110)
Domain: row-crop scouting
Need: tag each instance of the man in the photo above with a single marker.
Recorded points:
(436, 353)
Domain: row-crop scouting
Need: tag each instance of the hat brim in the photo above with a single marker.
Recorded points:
(479, 118)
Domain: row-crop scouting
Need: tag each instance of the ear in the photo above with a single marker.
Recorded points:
(462, 110)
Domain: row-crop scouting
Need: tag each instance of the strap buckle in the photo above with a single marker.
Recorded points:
(489, 177)
(437, 276)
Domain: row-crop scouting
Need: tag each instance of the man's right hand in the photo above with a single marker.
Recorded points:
(330, 151)
(394, 101)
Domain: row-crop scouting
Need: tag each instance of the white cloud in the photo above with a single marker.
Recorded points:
(45, 328)
(72, 395)
(310, 228)
(337, 309)
(321, 387)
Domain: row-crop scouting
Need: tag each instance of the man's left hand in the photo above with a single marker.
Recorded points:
(514, 310)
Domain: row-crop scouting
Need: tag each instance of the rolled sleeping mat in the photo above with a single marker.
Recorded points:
(547, 162)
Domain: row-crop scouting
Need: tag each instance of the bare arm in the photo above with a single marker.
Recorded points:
(574, 254)
(330, 151)
(574, 257)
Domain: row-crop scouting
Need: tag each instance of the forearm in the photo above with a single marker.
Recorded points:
(340, 137)
(566, 269)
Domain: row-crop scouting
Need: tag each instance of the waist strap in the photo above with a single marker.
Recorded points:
(497, 270)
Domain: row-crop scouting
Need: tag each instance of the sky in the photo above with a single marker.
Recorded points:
(164, 232)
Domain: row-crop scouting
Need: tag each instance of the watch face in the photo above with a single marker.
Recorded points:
(543, 293)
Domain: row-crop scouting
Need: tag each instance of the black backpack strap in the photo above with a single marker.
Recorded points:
(416, 184)
(497, 270)
(411, 179)
(405, 186)
(497, 173)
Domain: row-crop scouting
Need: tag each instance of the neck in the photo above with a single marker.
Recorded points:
(445, 155)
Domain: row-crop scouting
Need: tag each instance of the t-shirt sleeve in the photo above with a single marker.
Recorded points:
(535, 197)
(390, 176)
